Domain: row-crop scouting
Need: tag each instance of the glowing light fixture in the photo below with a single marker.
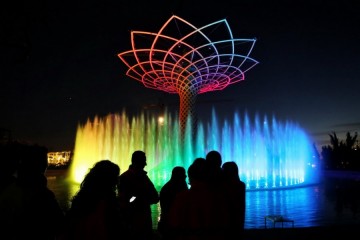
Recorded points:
(185, 60)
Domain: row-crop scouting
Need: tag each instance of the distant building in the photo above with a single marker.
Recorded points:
(59, 159)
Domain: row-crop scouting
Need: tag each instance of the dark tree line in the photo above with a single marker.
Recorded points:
(341, 154)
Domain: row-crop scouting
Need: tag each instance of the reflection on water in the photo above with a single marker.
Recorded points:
(308, 206)
(303, 205)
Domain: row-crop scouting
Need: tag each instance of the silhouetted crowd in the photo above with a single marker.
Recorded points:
(111, 204)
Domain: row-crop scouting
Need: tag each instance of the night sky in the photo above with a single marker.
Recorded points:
(59, 63)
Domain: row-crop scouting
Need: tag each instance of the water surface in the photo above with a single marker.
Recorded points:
(308, 206)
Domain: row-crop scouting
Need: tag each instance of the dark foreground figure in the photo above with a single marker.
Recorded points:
(136, 195)
(94, 212)
(28, 208)
(168, 194)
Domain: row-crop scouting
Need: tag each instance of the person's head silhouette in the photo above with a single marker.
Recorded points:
(178, 174)
(138, 159)
(197, 171)
(230, 170)
(213, 158)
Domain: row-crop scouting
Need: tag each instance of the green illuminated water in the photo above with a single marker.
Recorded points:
(270, 154)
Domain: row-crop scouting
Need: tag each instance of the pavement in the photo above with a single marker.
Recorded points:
(340, 232)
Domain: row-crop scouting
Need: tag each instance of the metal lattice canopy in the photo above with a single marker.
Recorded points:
(186, 60)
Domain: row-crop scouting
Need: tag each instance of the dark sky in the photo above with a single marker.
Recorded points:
(59, 63)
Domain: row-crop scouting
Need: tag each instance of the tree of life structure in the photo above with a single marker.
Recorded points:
(186, 60)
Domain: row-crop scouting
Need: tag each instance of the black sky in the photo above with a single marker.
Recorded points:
(59, 63)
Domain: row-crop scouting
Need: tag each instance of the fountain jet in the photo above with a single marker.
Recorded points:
(270, 154)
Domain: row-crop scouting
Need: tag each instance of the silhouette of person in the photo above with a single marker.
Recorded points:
(9, 164)
(29, 209)
(235, 191)
(136, 195)
(196, 213)
(94, 211)
(213, 165)
(168, 192)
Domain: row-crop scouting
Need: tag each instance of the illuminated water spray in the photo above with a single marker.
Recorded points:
(185, 60)
(269, 154)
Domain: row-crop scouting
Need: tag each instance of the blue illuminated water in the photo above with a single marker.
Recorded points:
(269, 153)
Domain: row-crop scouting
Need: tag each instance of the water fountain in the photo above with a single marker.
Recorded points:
(270, 154)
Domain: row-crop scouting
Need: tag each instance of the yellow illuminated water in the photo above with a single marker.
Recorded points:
(270, 154)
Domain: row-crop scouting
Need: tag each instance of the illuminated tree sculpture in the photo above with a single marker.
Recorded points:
(186, 60)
